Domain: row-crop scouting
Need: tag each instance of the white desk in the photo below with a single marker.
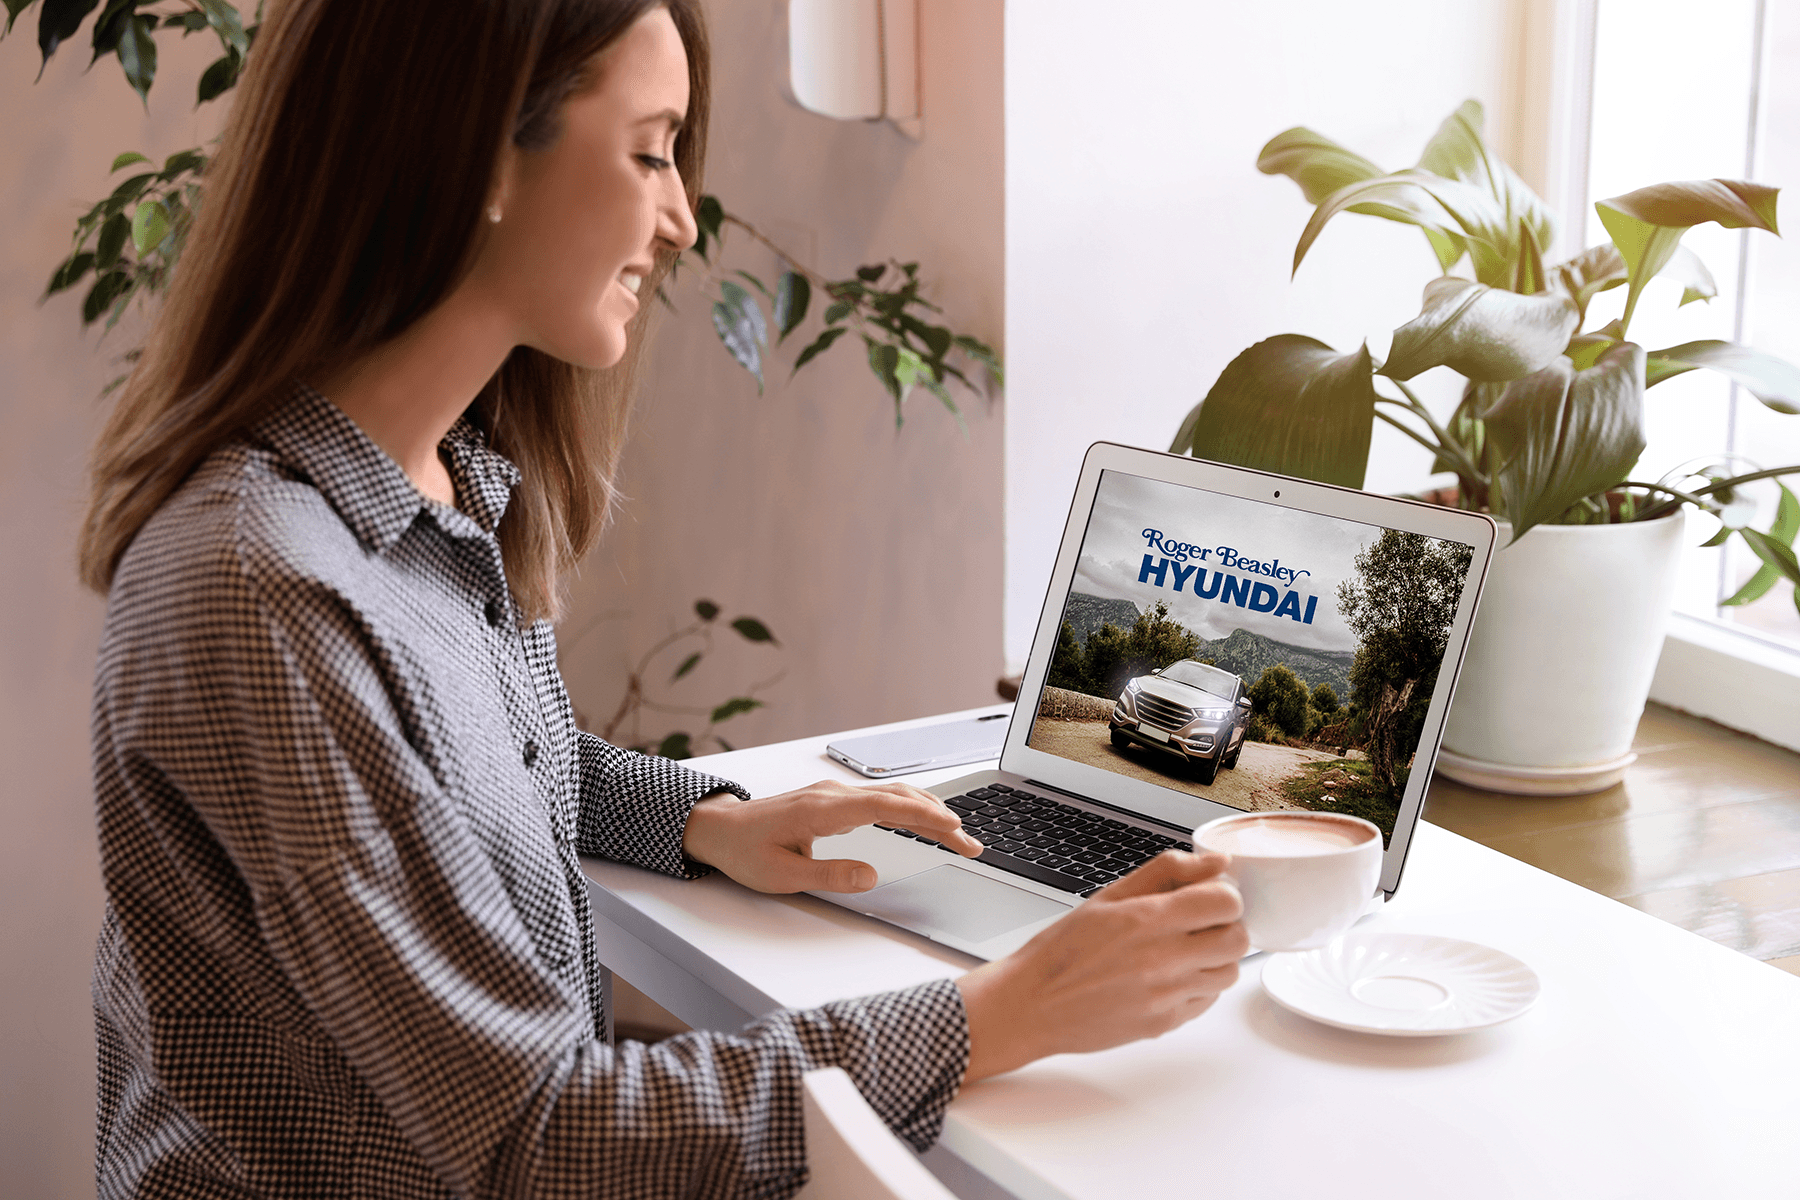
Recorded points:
(1655, 1064)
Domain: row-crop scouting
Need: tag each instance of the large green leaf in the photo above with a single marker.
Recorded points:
(1787, 524)
(1685, 268)
(1319, 165)
(1458, 151)
(57, 22)
(1563, 435)
(1596, 269)
(1290, 404)
(149, 226)
(1647, 225)
(110, 26)
(741, 326)
(1775, 555)
(1733, 203)
(137, 55)
(792, 293)
(224, 19)
(1443, 208)
(1481, 332)
(1774, 381)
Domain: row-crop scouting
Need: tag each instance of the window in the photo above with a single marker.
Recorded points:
(1684, 89)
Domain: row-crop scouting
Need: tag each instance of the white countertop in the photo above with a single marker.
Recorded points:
(1655, 1063)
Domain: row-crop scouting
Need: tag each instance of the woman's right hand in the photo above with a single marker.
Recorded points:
(1142, 956)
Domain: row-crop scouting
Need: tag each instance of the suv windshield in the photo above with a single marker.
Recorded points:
(1208, 679)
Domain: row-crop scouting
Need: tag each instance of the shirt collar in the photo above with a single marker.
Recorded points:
(368, 490)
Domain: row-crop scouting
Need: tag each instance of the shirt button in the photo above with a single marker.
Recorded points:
(495, 614)
(530, 755)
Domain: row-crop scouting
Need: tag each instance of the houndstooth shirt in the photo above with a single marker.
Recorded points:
(347, 950)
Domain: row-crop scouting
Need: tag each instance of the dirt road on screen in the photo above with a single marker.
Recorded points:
(1255, 784)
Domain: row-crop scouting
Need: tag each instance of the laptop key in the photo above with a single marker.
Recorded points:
(1054, 860)
(1032, 853)
(998, 787)
(1006, 846)
(1035, 870)
(982, 793)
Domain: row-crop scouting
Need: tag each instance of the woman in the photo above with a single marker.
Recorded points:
(347, 949)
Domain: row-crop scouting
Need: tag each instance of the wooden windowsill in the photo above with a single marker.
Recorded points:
(1704, 832)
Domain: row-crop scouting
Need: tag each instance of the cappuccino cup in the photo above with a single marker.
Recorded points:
(1305, 876)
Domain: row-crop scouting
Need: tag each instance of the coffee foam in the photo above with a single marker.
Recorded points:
(1285, 836)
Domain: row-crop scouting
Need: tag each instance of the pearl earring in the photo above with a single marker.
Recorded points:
(493, 213)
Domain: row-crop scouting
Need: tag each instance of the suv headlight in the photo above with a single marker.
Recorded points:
(1131, 686)
(1213, 714)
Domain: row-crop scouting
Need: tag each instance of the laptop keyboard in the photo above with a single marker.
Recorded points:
(1049, 841)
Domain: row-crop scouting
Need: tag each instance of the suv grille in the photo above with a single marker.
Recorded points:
(1161, 712)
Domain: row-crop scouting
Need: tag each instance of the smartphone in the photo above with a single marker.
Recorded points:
(946, 744)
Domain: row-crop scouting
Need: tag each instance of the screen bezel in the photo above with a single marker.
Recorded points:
(1475, 530)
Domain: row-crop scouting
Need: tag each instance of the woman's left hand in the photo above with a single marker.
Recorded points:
(766, 843)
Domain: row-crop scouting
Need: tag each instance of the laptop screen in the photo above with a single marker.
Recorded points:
(1248, 654)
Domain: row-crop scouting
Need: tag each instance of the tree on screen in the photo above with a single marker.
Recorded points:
(1400, 605)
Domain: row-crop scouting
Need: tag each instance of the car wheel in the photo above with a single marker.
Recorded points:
(1120, 741)
(1206, 770)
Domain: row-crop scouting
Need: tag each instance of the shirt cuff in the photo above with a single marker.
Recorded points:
(907, 1051)
(634, 807)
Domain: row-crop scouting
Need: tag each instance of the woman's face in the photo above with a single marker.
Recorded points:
(582, 221)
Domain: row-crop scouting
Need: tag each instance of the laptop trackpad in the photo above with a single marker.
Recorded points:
(957, 902)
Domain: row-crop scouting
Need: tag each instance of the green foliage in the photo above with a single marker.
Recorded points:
(881, 303)
(1112, 655)
(149, 213)
(1347, 786)
(1261, 729)
(1281, 698)
(1325, 700)
(1552, 419)
(1067, 669)
(1400, 606)
(625, 726)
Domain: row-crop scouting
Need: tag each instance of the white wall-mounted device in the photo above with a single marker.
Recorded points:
(856, 59)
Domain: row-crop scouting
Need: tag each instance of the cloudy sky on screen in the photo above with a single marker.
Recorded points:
(1114, 548)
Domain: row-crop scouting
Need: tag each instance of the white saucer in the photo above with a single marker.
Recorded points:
(1402, 984)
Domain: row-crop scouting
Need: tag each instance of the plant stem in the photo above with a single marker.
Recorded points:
(1446, 447)
(1408, 430)
(812, 277)
(1722, 485)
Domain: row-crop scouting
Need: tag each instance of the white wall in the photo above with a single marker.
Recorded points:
(874, 556)
(60, 136)
(1144, 250)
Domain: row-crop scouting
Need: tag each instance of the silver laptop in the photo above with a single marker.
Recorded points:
(1214, 640)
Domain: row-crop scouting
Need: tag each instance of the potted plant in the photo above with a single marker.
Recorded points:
(1545, 438)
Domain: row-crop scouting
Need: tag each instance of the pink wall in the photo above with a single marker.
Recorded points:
(875, 558)
(61, 135)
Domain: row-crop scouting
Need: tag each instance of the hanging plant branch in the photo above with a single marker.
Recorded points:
(905, 346)
(696, 639)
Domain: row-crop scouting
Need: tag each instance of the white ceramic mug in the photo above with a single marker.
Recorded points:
(1305, 876)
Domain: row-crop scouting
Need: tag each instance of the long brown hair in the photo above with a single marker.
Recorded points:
(345, 202)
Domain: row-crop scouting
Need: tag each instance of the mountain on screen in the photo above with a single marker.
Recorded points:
(1250, 654)
(1086, 613)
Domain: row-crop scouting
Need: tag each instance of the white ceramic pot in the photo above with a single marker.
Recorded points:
(1560, 659)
